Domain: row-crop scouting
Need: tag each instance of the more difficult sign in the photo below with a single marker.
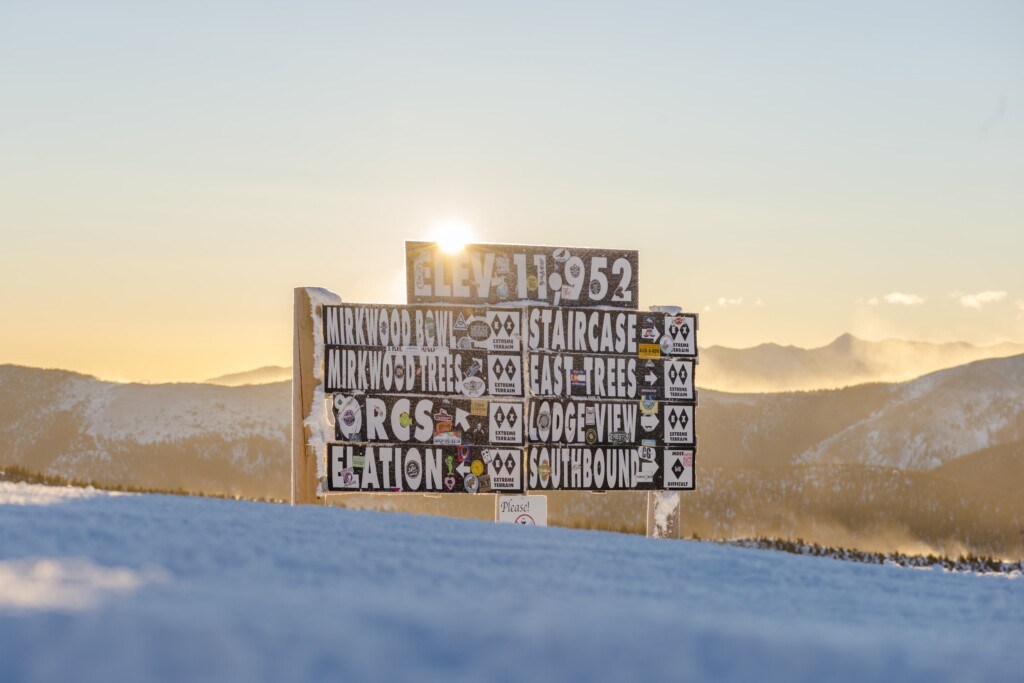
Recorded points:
(513, 368)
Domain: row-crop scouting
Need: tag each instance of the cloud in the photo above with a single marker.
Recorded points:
(901, 299)
(979, 300)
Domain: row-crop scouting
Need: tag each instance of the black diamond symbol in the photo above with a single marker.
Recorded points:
(510, 463)
(685, 329)
(499, 416)
(678, 469)
(673, 331)
(499, 370)
(510, 368)
(509, 326)
(673, 374)
(682, 373)
(496, 325)
(673, 419)
(497, 464)
(512, 417)
(683, 420)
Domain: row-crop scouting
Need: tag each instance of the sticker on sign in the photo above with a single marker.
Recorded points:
(522, 510)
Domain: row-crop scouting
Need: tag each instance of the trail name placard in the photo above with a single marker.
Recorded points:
(512, 368)
(432, 469)
(586, 468)
(427, 420)
(517, 273)
(594, 376)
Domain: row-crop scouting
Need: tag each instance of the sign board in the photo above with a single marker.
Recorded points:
(445, 351)
(440, 371)
(628, 468)
(424, 469)
(415, 328)
(615, 423)
(516, 273)
(522, 510)
(608, 376)
(427, 420)
(512, 368)
(421, 399)
(593, 331)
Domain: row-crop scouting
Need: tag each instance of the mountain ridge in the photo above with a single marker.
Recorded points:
(963, 426)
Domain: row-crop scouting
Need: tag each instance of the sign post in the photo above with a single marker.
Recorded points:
(663, 514)
(304, 458)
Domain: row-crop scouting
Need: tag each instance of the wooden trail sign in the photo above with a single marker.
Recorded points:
(512, 368)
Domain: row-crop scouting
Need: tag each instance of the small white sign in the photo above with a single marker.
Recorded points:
(522, 510)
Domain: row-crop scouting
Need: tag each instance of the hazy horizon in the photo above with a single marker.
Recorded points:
(881, 365)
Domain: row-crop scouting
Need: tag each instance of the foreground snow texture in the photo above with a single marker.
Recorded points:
(99, 587)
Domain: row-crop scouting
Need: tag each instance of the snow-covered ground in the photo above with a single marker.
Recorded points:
(100, 587)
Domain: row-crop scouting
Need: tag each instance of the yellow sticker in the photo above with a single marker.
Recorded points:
(477, 467)
(650, 351)
(478, 407)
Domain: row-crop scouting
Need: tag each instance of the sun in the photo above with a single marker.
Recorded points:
(452, 235)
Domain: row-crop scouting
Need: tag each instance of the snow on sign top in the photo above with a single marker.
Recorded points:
(521, 274)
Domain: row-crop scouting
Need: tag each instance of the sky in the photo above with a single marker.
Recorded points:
(791, 170)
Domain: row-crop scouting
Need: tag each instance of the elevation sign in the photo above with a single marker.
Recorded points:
(518, 274)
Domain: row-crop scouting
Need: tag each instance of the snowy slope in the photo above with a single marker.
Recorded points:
(935, 419)
(144, 588)
(197, 437)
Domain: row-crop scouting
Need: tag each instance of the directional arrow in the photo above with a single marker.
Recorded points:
(649, 467)
(650, 378)
(461, 418)
(463, 469)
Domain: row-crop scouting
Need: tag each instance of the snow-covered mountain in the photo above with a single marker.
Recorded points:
(265, 375)
(935, 419)
(917, 425)
(845, 454)
(193, 437)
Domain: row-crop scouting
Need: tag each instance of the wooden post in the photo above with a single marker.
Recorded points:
(663, 514)
(304, 459)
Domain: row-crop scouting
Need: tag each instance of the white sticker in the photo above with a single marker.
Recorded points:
(523, 510)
